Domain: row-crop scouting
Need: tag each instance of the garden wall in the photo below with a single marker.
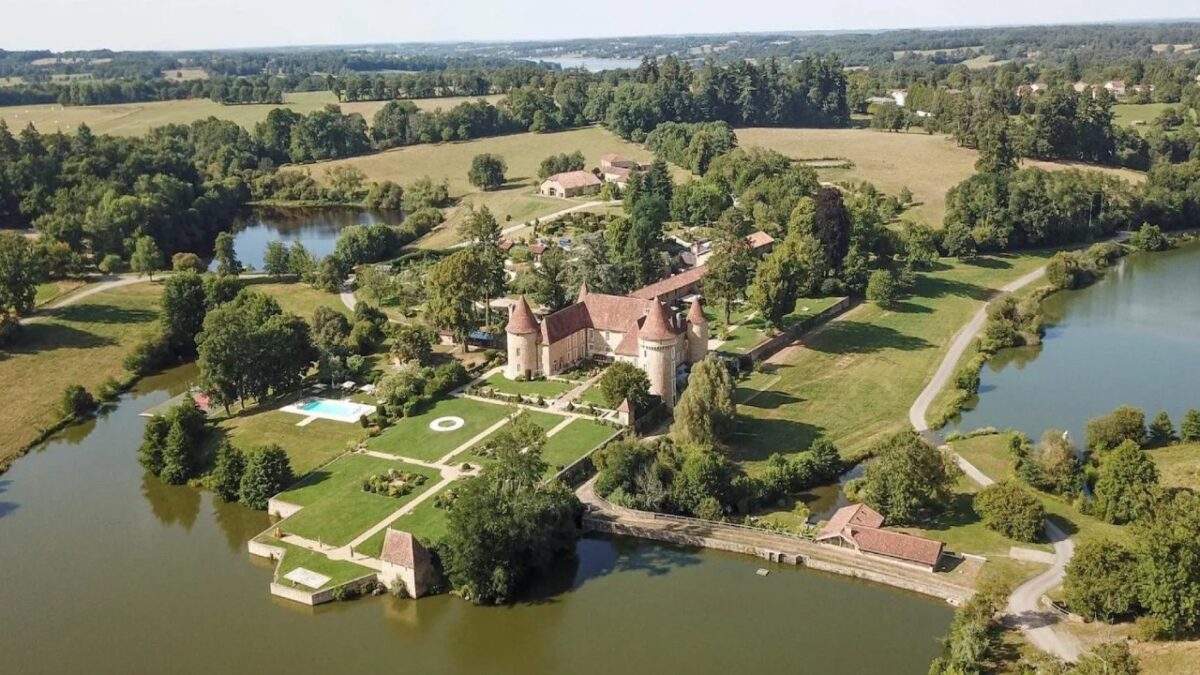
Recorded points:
(785, 337)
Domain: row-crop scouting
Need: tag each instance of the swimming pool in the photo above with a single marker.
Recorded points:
(329, 409)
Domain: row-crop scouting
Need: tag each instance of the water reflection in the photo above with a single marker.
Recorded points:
(316, 228)
(171, 504)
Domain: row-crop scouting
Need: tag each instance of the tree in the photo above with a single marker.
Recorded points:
(276, 259)
(1124, 423)
(561, 163)
(452, 286)
(996, 153)
(706, 413)
(1150, 238)
(730, 270)
(1160, 431)
(330, 328)
(1010, 510)
(20, 274)
(176, 457)
(480, 229)
(1125, 489)
(1110, 658)
(226, 477)
(1167, 550)
(624, 381)
(224, 254)
(831, 226)
(883, 288)
(187, 262)
(487, 171)
(1102, 581)
(412, 343)
(268, 471)
(908, 478)
(146, 258)
(172, 443)
(506, 526)
(550, 286)
(76, 403)
(183, 307)
(1189, 429)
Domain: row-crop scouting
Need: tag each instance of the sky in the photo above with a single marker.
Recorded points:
(208, 24)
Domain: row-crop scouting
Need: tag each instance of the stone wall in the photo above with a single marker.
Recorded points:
(786, 337)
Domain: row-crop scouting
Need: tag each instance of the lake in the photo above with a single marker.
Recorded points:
(593, 65)
(316, 228)
(107, 570)
(1132, 337)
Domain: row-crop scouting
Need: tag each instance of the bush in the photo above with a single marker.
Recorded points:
(10, 329)
(149, 355)
(112, 264)
(76, 402)
(1125, 423)
(1150, 238)
(1125, 489)
(1010, 510)
(182, 262)
(623, 381)
(883, 288)
(1102, 581)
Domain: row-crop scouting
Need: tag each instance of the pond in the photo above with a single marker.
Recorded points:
(107, 570)
(316, 228)
(1133, 337)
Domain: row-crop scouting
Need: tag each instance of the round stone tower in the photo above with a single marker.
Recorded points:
(697, 332)
(656, 347)
(523, 339)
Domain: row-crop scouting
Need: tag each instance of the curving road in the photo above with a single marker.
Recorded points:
(1024, 610)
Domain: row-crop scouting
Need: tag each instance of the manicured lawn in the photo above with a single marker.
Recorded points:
(308, 446)
(854, 378)
(574, 441)
(135, 119)
(1178, 465)
(1125, 114)
(517, 201)
(593, 396)
(301, 299)
(751, 332)
(545, 420)
(928, 165)
(412, 437)
(426, 522)
(337, 509)
(338, 571)
(84, 343)
(544, 388)
(53, 290)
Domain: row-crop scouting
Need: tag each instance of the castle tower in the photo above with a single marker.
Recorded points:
(697, 333)
(523, 338)
(656, 346)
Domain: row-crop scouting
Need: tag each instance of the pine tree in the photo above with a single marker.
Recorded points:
(268, 471)
(1160, 429)
(227, 472)
(176, 456)
(1189, 429)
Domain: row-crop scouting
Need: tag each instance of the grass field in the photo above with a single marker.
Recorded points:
(928, 165)
(301, 299)
(336, 508)
(1178, 465)
(426, 522)
(55, 290)
(574, 441)
(81, 344)
(1125, 114)
(546, 388)
(751, 332)
(412, 437)
(308, 446)
(135, 119)
(854, 378)
(545, 420)
(338, 571)
(522, 152)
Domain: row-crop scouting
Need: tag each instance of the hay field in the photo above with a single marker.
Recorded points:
(522, 152)
(135, 119)
(928, 165)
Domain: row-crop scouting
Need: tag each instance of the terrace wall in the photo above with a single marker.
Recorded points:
(772, 345)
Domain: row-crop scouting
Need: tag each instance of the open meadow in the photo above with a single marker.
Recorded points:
(84, 344)
(928, 164)
(517, 201)
(854, 378)
(135, 119)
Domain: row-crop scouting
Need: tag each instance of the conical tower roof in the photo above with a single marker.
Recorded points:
(655, 327)
(696, 313)
(521, 320)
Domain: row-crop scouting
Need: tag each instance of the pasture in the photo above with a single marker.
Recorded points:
(517, 201)
(135, 119)
(928, 164)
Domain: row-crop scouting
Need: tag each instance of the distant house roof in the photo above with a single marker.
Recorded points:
(403, 549)
(521, 320)
(760, 239)
(670, 284)
(505, 244)
(574, 179)
(537, 249)
(612, 157)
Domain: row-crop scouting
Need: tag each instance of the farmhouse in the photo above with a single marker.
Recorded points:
(1115, 87)
(570, 184)
(406, 560)
(861, 528)
(900, 96)
(617, 169)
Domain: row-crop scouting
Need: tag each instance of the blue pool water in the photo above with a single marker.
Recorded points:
(333, 408)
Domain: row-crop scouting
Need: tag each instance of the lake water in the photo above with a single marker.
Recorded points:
(1133, 337)
(316, 228)
(107, 570)
(591, 64)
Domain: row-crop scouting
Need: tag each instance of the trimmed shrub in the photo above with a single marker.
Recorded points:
(1010, 510)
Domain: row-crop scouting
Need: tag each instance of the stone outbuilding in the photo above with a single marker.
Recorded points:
(860, 527)
(406, 560)
(570, 184)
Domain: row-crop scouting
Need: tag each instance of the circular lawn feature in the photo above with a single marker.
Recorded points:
(447, 424)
